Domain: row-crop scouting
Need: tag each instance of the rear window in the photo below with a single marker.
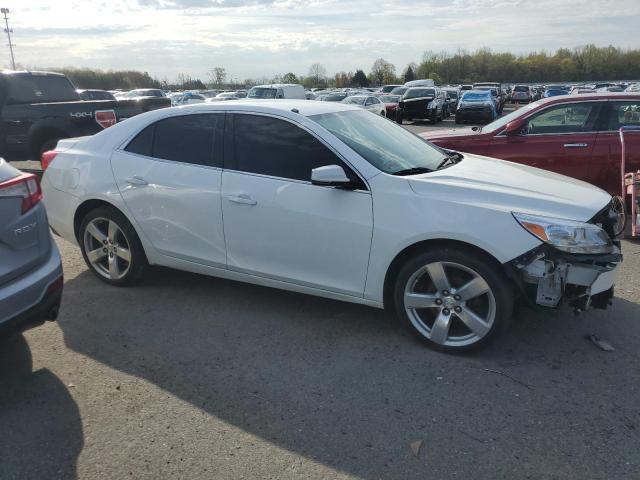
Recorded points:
(39, 89)
(520, 88)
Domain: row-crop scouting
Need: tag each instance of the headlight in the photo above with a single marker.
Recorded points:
(566, 235)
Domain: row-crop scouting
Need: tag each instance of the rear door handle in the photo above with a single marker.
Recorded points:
(576, 145)
(242, 198)
(136, 180)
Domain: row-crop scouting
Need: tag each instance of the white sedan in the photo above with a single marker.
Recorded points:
(326, 199)
(368, 102)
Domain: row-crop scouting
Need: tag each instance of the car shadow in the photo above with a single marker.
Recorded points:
(40, 427)
(348, 387)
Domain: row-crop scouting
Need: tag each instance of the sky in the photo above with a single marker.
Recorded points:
(262, 38)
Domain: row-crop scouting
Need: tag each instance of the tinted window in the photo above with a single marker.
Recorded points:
(40, 89)
(277, 148)
(420, 92)
(188, 139)
(142, 143)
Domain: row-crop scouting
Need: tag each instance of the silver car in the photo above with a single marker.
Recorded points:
(30, 267)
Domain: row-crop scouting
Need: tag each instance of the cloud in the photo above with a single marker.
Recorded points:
(255, 38)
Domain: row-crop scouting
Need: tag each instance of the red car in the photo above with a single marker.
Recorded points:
(390, 104)
(574, 135)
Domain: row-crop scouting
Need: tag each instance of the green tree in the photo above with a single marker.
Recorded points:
(409, 73)
(290, 78)
(360, 79)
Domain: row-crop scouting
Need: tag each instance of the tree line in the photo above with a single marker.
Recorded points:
(586, 63)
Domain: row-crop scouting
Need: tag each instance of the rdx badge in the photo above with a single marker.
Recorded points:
(25, 228)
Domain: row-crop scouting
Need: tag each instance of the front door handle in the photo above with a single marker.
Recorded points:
(136, 180)
(242, 198)
(576, 145)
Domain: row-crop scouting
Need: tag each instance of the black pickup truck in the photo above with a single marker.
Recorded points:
(39, 108)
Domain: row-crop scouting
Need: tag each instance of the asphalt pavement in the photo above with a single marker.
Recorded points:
(186, 377)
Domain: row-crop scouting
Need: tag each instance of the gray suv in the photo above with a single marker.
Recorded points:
(30, 267)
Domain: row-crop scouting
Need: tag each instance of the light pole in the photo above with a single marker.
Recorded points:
(5, 12)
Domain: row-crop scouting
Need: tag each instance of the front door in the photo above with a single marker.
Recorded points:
(276, 223)
(169, 176)
(560, 139)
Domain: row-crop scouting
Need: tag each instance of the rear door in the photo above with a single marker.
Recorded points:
(559, 138)
(606, 171)
(169, 176)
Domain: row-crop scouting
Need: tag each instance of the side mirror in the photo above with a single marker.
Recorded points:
(515, 127)
(330, 176)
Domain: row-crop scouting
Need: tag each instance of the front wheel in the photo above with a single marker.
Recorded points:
(452, 299)
(111, 248)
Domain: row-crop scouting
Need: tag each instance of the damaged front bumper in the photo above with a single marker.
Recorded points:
(548, 277)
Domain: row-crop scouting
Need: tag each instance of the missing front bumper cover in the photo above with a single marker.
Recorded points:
(548, 277)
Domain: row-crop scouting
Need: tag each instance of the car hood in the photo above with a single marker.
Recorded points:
(448, 133)
(511, 187)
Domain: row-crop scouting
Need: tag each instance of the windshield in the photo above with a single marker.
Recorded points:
(262, 92)
(502, 121)
(452, 94)
(354, 100)
(520, 88)
(389, 98)
(420, 92)
(145, 93)
(384, 144)
(475, 97)
(388, 88)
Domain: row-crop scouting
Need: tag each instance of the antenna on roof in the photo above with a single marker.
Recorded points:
(295, 110)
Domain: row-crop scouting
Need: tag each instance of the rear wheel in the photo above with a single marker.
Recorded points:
(111, 248)
(453, 300)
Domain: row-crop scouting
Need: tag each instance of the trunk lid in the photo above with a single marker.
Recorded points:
(24, 237)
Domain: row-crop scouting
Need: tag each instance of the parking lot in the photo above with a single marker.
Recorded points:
(188, 376)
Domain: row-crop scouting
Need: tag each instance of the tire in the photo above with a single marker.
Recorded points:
(463, 325)
(399, 117)
(117, 256)
(383, 114)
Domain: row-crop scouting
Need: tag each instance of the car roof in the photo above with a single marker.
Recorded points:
(591, 96)
(303, 107)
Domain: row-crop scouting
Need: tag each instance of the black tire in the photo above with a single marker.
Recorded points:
(399, 117)
(496, 305)
(138, 263)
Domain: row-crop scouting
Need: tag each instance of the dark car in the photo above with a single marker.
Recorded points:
(577, 136)
(92, 94)
(30, 266)
(452, 97)
(477, 106)
(421, 103)
(39, 108)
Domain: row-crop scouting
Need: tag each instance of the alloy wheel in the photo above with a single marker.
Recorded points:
(107, 248)
(450, 304)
